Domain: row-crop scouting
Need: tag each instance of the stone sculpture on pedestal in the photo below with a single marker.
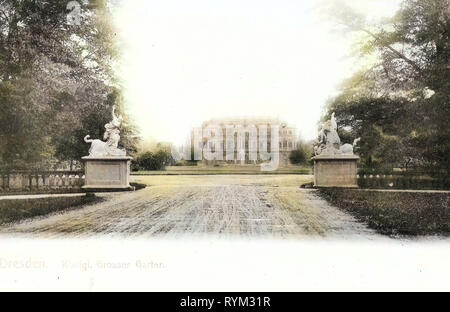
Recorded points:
(335, 165)
(112, 136)
(107, 168)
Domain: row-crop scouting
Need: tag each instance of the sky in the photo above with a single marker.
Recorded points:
(185, 62)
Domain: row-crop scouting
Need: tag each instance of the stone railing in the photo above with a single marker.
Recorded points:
(41, 181)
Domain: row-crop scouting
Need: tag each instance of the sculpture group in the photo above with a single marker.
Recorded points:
(100, 148)
(329, 143)
(335, 165)
(107, 168)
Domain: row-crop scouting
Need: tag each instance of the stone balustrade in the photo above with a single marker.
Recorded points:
(49, 180)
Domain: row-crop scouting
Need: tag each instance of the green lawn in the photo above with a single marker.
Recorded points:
(209, 170)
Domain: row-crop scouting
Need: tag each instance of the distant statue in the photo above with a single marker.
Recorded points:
(328, 141)
(112, 137)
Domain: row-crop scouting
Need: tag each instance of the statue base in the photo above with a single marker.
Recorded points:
(335, 171)
(107, 174)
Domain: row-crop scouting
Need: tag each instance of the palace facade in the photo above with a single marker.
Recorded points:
(288, 138)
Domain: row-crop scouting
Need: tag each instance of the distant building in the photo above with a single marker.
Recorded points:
(287, 138)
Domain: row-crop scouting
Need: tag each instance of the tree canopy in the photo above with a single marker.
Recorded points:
(398, 103)
(57, 81)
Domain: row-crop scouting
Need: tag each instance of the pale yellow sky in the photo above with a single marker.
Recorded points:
(187, 61)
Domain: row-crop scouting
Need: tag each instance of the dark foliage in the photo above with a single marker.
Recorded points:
(399, 106)
(56, 82)
(153, 161)
(13, 210)
(393, 213)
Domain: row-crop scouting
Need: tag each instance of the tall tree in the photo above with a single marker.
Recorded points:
(399, 104)
(54, 75)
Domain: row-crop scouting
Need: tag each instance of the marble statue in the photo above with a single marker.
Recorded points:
(109, 148)
(328, 141)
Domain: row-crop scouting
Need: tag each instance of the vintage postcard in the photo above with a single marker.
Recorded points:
(225, 146)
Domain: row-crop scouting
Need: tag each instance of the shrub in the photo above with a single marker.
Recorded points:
(152, 161)
(298, 157)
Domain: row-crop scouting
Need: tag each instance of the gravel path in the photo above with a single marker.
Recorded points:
(172, 206)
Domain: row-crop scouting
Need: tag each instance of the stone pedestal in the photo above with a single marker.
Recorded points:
(335, 171)
(107, 173)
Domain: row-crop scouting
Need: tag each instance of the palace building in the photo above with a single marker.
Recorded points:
(288, 138)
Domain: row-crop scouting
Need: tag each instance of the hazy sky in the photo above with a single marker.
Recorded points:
(185, 61)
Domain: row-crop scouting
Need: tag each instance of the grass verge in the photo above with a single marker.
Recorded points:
(394, 213)
(41, 191)
(13, 210)
(226, 170)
